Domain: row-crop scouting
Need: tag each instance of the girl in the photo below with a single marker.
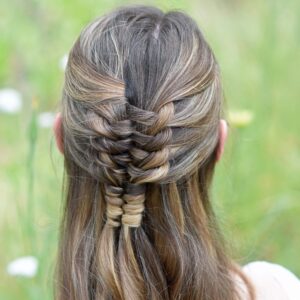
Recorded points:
(141, 131)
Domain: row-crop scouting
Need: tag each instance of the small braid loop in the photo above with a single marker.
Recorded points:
(134, 199)
(114, 204)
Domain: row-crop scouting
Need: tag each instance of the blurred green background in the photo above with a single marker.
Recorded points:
(257, 184)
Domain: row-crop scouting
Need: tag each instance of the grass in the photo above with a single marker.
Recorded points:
(256, 190)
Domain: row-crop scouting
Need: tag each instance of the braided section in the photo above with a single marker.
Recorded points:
(114, 204)
(149, 157)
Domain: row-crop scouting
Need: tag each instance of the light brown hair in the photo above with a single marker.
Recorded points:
(141, 106)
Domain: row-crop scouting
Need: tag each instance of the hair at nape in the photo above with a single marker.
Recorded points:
(141, 108)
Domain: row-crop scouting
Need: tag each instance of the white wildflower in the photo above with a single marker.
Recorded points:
(10, 101)
(25, 266)
(46, 119)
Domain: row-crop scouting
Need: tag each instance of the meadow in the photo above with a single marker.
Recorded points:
(256, 191)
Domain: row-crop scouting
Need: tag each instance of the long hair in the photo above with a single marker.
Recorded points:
(141, 107)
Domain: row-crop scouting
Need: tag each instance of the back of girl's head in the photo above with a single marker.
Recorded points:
(140, 117)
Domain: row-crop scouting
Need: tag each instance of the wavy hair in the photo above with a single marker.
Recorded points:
(141, 107)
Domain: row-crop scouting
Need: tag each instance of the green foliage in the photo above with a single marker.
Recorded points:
(256, 189)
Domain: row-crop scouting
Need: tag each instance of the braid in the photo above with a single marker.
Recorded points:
(130, 156)
(129, 159)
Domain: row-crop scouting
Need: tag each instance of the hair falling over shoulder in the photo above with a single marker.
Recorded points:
(141, 107)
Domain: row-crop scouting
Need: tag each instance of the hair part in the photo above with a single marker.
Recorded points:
(141, 108)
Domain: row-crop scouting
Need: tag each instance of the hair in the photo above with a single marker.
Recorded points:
(141, 106)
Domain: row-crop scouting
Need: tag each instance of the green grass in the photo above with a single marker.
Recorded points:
(257, 185)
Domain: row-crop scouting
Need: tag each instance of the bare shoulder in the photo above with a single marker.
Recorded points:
(272, 281)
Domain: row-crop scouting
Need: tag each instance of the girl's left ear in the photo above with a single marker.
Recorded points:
(223, 132)
(57, 128)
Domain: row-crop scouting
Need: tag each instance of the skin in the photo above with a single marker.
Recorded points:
(223, 128)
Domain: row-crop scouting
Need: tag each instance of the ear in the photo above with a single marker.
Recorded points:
(223, 132)
(57, 128)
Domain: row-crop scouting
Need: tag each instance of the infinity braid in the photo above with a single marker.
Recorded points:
(131, 158)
